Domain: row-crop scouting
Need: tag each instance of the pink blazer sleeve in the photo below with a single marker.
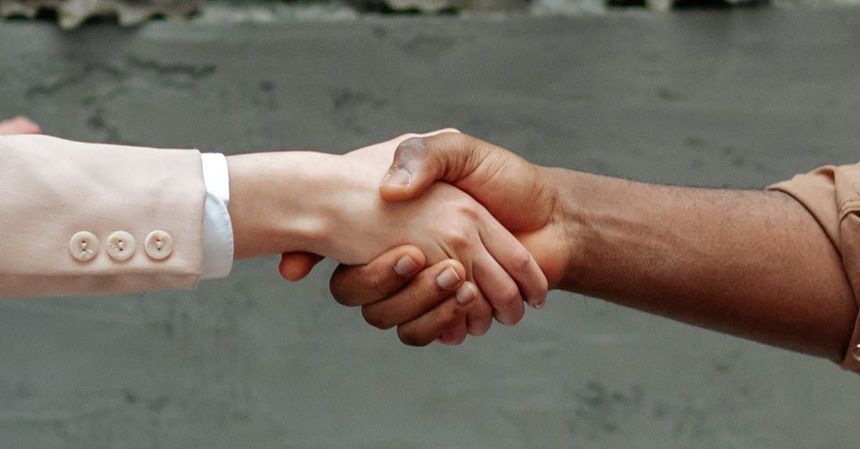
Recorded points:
(81, 218)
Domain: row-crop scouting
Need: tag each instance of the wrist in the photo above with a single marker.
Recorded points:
(274, 204)
(570, 190)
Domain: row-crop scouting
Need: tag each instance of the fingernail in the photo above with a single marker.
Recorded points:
(399, 177)
(465, 295)
(537, 303)
(448, 279)
(405, 267)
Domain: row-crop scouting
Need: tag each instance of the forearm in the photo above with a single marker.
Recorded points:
(318, 203)
(753, 264)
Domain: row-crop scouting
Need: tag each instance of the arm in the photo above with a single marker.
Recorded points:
(77, 217)
(93, 218)
(753, 264)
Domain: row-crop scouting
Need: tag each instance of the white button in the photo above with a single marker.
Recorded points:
(158, 245)
(856, 353)
(120, 245)
(84, 246)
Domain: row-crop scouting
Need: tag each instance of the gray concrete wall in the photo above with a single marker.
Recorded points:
(738, 100)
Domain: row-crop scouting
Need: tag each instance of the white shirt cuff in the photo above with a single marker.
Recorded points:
(217, 227)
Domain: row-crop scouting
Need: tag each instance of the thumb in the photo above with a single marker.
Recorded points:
(421, 161)
(295, 266)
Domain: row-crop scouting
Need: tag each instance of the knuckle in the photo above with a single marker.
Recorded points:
(459, 238)
(466, 143)
(461, 338)
(375, 319)
(344, 289)
(481, 327)
(454, 138)
(410, 337)
(507, 318)
(481, 312)
(510, 295)
(424, 288)
(340, 299)
(449, 316)
(378, 285)
(521, 259)
(469, 209)
(340, 294)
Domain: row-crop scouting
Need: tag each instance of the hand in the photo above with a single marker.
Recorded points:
(520, 195)
(296, 265)
(491, 256)
(19, 125)
(336, 212)
(422, 316)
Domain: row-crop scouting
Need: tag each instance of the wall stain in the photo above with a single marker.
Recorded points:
(174, 74)
(74, 79)
(664, 93)
(694, 142)
(600, 410)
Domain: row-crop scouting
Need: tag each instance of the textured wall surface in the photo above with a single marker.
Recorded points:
(736, 100)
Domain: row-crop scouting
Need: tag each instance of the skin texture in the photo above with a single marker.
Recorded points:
(750, 263)
(334, 210)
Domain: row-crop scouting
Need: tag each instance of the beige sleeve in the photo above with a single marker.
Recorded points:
(53, 189)
(832, 196)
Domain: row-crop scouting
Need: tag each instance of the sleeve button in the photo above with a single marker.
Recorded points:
(158, 245)
(120, 246)
(84, 246)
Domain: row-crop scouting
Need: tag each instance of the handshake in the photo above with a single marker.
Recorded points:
(437, 233)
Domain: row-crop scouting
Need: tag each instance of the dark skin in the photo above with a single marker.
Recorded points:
(749, 263)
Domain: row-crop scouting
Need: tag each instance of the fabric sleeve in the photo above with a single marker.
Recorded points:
(832, 195)
(85, 218)
(217, 227)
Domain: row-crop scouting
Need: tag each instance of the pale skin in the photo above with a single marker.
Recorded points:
(749, 263)
(329, 205)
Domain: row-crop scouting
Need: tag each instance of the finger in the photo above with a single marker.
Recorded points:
(428, 327)
(479, 316)
(516, 260)
(420, 161)
(427, 290)
(499, 289)
(19, 125)
(295, 266)
(455, 334)
(365, 284)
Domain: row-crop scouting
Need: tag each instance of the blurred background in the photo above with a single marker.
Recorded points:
(713, 94)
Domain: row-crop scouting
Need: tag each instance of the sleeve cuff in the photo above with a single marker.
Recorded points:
(832, 195)
(217, 227)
